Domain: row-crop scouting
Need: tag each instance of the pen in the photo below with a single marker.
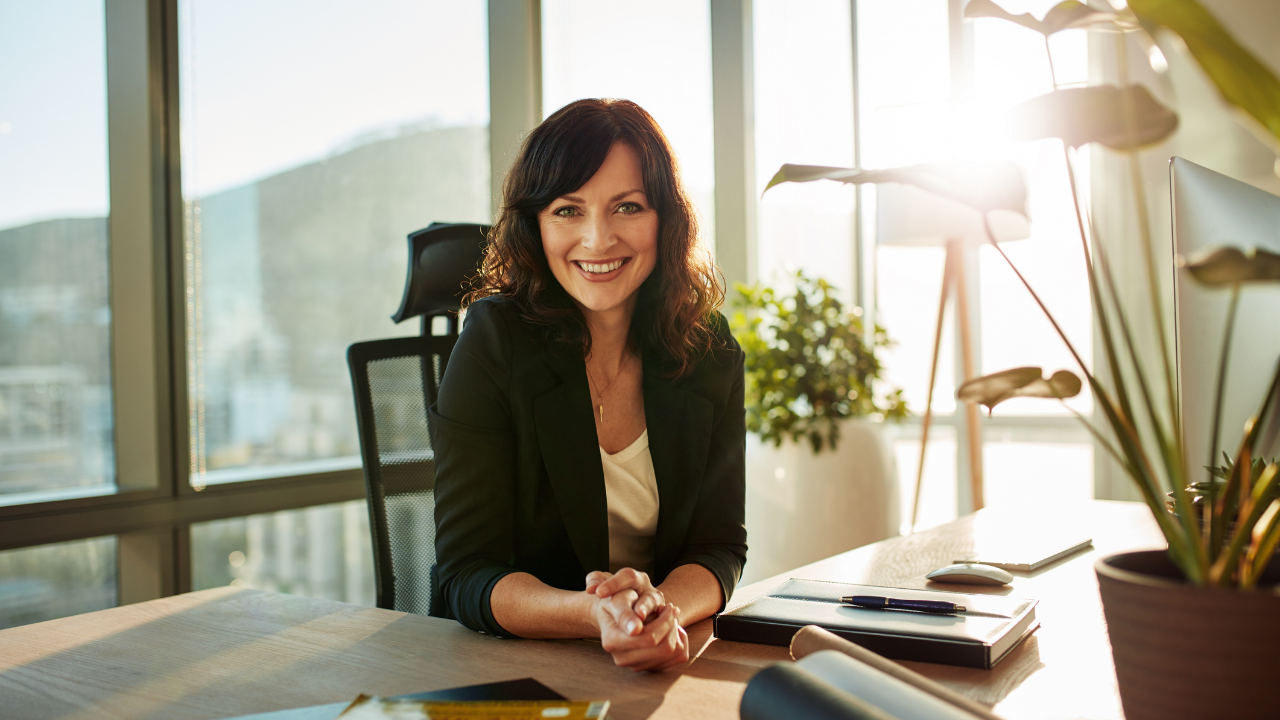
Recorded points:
(884, 603)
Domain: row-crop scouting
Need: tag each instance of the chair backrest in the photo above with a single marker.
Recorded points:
(395, 381)
(442, 257)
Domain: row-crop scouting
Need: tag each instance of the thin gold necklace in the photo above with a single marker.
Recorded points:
(600, 394)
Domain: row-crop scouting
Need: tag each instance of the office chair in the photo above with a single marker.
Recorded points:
(395, 381)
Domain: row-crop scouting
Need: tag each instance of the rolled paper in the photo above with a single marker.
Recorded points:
(811, 639)
(783, 690)
(859, 680)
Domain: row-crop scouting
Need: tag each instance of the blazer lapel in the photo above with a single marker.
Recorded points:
(679, 424)
(571, 452)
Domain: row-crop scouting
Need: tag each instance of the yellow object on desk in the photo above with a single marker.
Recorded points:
(377, 708)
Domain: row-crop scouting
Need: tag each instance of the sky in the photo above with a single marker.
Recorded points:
(266, 86)
(272, 85)
(53, 113)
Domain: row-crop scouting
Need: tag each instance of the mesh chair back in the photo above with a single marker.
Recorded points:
(395, 381)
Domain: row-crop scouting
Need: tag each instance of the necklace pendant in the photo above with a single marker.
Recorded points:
(601, 412)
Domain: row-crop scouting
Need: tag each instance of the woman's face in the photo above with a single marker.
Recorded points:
(601, 240)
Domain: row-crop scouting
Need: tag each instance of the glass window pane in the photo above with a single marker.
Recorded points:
(323, 552)
(1010, 68)
(55, 321)
(938, 499)
(905, 78)
(657, 55)
(52, 581)
(314, 138)
(1037, 477)
(804, 115)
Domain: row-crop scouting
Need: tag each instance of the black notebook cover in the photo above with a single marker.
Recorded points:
(523, 689)
(980, 637)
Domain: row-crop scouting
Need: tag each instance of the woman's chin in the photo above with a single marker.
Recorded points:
(602, 301)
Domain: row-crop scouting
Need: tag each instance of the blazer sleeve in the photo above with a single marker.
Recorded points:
(475, 448)
(717, 538)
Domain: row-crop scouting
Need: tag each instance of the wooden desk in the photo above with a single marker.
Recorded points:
(226, 652)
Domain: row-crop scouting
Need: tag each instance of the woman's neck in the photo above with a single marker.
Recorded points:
(610, 336)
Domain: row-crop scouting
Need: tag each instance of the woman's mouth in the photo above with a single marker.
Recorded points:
(599, 270)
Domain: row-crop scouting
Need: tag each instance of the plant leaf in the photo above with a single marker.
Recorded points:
(991, 390)
(999, 186)
(1099, 113)
(1243, 81)
(988, 9)
(1063, 16)
(1070, 14)
(1223, 265)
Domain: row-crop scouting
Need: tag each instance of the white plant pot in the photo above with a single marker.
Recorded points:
(803, 507)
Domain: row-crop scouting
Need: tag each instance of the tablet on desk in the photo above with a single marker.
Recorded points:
(1027, 554)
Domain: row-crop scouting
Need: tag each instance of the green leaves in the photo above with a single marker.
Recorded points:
(1243, 81)
(1125, 118)
(808, 365)
(1063, 16)
(1225, 266)
(999, 186)
(991, 390)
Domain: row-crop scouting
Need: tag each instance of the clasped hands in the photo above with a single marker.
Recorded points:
(638, 627)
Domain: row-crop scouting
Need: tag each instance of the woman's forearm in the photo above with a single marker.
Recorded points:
(526, 607)
(694, 590)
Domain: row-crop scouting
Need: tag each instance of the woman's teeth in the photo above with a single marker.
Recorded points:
(600, 268)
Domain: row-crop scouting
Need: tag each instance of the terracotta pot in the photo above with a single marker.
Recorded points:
(1183, 651)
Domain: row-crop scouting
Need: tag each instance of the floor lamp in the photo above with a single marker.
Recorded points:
(909, 216)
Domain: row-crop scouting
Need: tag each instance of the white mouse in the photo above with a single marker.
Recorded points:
(971, 574)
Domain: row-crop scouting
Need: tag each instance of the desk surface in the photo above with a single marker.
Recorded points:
(226, 652)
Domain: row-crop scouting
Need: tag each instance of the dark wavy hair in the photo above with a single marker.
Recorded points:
(676, 310)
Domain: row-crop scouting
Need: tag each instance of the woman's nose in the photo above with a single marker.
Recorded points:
(598, 234)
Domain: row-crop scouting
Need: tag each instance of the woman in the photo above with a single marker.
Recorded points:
(589, 428)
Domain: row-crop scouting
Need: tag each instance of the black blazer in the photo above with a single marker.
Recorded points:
(519, 482)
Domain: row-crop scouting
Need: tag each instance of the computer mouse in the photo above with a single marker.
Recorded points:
(971, 574)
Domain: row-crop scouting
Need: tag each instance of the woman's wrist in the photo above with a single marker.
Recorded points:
(592, 613)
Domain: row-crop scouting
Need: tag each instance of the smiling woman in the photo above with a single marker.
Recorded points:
(589, 429)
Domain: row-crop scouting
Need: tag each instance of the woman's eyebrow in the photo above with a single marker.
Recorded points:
(615, 198)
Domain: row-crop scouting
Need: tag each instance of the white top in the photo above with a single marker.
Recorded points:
(631, 490)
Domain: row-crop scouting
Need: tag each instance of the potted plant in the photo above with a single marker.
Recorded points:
(820, 475)
(1192, 628)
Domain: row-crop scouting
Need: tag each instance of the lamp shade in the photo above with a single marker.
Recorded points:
(908, 215)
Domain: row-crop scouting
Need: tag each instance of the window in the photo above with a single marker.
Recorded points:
(314, 139)
(804, 115)
(323, 551)
(55, 320)
(924, 100)
(657, 55)
(52, 581)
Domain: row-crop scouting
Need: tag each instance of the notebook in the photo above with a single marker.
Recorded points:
(980, 637)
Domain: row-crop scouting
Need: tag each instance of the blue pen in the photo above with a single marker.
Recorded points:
(884, 603)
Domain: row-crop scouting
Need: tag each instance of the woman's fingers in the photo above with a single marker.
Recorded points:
(624, 578)
(667, 650)
(594, 578)
(619, 607)
(650, 601)
(680, 657)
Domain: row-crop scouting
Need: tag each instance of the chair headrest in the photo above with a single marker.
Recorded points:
(442, 258)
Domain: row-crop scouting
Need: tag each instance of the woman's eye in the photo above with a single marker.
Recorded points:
(566, 211)
(629, 207)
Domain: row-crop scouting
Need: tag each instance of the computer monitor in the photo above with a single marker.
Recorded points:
(1212, 209)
